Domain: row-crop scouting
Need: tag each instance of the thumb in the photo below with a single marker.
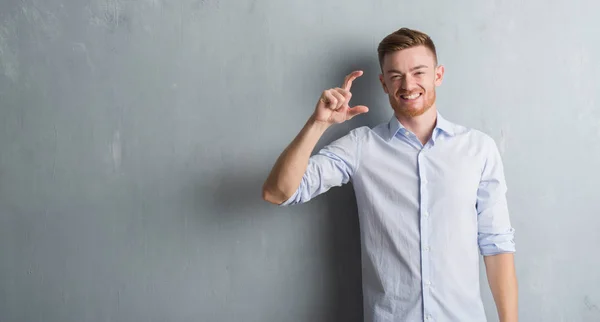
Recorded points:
(359, 109)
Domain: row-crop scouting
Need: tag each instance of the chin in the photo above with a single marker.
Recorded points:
(411, 111)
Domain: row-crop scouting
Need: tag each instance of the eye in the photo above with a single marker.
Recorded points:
(419, 73)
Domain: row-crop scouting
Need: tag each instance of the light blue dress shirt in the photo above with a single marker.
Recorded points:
(426, 212)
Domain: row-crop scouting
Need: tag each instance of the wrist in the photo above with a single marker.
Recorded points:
(320, 126)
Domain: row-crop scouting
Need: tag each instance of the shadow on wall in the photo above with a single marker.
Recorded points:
(237, 198)
(231, 194)
(341, 202)
(345, 259)
(237, 191)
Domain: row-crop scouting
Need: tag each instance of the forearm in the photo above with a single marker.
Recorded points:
(286, 175)
(500, 270)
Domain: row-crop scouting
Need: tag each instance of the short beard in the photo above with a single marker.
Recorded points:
(410, 113)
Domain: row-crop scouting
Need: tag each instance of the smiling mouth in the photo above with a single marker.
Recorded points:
(411, 97)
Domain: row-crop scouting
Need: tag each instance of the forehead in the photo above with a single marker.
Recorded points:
(405, 59)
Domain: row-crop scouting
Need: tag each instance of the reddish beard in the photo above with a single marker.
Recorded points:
(405, 109)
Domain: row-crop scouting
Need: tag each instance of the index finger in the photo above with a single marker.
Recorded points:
(350, 78)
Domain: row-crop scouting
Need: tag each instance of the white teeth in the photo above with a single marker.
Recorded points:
(412, 96)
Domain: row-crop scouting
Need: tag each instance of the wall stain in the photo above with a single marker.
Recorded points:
(503, 139)
(206, 4)
(9, 62)
(591, 306)
(116, 151)
(110, 15)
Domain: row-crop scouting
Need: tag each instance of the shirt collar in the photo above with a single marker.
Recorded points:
(445, 125)
(441, 124)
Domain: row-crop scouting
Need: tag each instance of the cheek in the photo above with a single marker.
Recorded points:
(428, 85)
(393, 87)
(386, 88)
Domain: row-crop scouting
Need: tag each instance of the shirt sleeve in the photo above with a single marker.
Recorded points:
(495, 234)
(332, 166)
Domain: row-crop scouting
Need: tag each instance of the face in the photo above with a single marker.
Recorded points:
(410, 77)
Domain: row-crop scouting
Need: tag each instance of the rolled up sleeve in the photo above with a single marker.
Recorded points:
(332, 166)
(495, 233)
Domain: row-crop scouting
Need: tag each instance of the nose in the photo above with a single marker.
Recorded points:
(408, 83)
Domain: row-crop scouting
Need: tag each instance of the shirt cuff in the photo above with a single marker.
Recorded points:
(291, 200)
(494, 244)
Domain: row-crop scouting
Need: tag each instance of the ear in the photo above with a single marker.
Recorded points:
(439, 75)
(385, 89)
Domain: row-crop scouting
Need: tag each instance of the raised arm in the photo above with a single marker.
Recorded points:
(332, 108)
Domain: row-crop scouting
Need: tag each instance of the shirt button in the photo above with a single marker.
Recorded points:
(426, 248)
(426, 214)
(428, 283)
(428, 317)
(406, 133)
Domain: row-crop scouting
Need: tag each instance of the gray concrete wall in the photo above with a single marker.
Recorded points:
(135, 136)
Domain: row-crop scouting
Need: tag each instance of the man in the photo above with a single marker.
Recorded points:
(431, 194)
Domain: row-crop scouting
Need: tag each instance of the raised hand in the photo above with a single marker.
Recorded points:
(333, 106)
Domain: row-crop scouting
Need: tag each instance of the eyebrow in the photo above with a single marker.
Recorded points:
(412, 69)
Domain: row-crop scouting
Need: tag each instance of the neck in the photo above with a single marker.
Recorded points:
(422, 126)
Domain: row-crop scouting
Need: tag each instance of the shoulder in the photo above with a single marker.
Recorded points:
(473, 135)
(477, 136)
(358, 137)
(476, 139)
(360, 134)
(360, 131)
(351, 140)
